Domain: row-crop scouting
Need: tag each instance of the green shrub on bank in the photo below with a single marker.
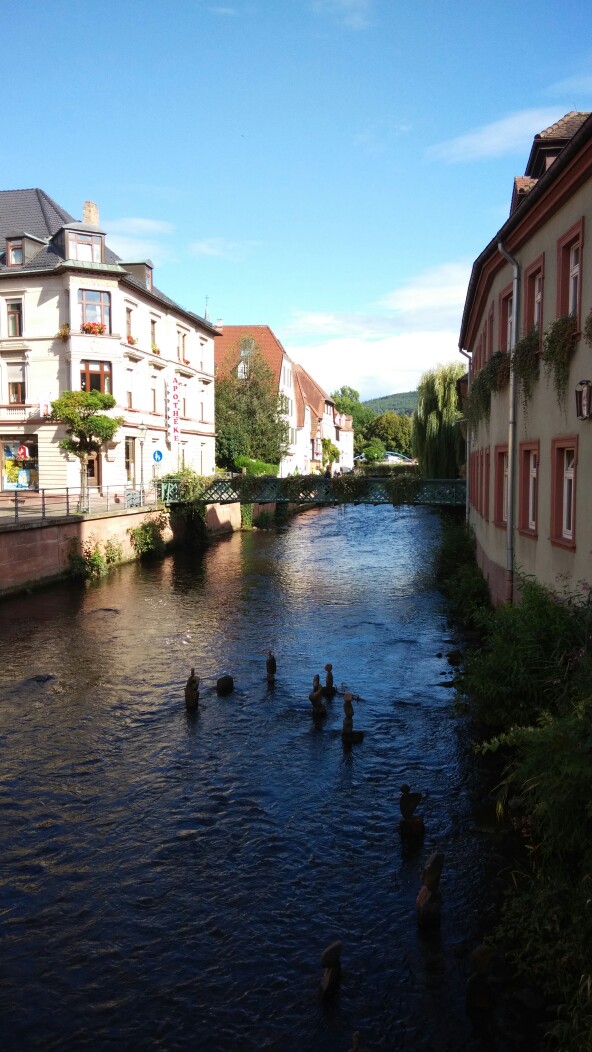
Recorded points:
(85, 559)
(457, 575)
(534, 658)
(147, 539)
(255, 467)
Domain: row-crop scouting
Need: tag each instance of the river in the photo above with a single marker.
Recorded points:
(169, 881)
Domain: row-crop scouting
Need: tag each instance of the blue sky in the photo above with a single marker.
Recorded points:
(326, 167)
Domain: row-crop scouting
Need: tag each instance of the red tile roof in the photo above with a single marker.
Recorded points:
(227, 347)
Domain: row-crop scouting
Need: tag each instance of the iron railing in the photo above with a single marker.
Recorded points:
(315, 489)
(23, 507)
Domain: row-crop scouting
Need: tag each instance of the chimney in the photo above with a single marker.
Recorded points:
(90, 214)
(219, 325)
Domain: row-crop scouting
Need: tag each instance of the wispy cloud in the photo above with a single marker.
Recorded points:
(414, 328)
(221, 248)
(375, 137)
(354, 14)
(578, 84)
(511, 134)
(135, 238)
(221, 9)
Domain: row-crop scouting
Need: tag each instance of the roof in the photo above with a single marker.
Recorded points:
(513, 229)
(227, 347)
(548, 143)
(34, 212)
(308, 393)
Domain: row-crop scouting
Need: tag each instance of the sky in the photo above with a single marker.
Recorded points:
(330, 168)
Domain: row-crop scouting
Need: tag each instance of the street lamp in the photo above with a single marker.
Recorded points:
(142, 429)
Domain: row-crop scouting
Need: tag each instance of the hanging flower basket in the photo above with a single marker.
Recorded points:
(93, 328)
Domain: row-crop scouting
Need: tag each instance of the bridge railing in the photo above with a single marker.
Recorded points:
(316, 489)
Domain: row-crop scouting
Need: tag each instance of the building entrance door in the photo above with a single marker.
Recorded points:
(93, 471)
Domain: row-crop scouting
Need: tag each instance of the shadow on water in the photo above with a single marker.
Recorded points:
(170, 879)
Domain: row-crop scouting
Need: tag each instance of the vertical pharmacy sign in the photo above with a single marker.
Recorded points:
(173, 403)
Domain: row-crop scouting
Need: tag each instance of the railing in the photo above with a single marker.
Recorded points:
(315, 489)
(26, 507)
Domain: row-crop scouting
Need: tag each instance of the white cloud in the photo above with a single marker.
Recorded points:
(135, 238)
(579, 83)
(511, 134)
(376, 367)
(380, 353)
(355, 14)
(220, 248)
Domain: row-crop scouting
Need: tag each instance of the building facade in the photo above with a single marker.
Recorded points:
(310, 413)
(527, 331)
(73, 316)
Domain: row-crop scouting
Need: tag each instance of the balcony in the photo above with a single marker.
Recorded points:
(20, 412)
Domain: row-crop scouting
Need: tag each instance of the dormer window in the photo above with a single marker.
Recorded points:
(149, 277)
(14, 252)
(86, 248)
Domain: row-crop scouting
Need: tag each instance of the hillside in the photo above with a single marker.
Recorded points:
(405, 402)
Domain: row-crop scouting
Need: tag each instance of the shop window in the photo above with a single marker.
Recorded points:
(564, 459)
(14, 310)
(569, 271)
(529, 458)
(96, 376)
(501, 495)
(20, 462)
(95, 308)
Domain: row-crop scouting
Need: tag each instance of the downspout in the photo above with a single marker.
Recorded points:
(511, 424)
(467, 442)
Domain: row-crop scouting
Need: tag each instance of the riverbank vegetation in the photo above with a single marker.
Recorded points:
(527, 688)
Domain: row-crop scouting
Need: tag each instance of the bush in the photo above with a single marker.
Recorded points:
(457, 575)
(147, 539)
(86, 560)
(256, 467)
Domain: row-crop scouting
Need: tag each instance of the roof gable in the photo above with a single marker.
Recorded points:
(227, 347)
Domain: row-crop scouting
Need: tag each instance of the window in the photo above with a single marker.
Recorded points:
(486, 484)
(564, 459)
(569, 271)
(130, 460)
(243, 370)
(506, 335)
(247, 346)
(16, 383)
(149, 277)
(14, 253)
(88, 248)
(14, 309)
(533, 302)
(529, 457)
(95, 376)
(153, 396)
(181, 339)
(129, 399)
(128, 321)
(500, 509)
(95, 307)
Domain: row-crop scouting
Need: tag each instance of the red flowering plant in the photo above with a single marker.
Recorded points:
(186, 361)
(132, 340)
(93, 328)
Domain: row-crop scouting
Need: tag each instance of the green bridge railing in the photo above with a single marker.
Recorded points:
(315, 489)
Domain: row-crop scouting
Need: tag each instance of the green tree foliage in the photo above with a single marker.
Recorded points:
(396, 432)
(87, 425)
(330, 451)
(405, 403)
(347, 400)
(374, 449)
(437, 440)
(250, 417)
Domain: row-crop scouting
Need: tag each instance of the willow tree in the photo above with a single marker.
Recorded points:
(437, 440)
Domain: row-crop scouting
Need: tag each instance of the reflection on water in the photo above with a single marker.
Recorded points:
(169, 881)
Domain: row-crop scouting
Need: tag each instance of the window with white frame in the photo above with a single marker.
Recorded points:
(569, 271)
(88, 248)
(569, 460)
(16, 383)
(532, 488)
(574, 279)
(15, 253)
(564, 459)
(95, 308)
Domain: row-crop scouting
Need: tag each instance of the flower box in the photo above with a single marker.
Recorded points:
(155, 349)
(93, 328)
(132, 341)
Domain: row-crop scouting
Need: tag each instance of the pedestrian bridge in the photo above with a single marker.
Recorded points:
(402, 488)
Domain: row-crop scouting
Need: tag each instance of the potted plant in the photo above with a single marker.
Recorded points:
(186, 361)
(63, 332)
(132, 340)
(93, 328)
(155, 349)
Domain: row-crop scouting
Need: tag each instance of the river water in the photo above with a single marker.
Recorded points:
(169, 881)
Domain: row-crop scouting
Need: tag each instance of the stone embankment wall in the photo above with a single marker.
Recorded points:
(36, 554)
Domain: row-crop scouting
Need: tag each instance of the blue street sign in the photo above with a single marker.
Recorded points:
(157, 456)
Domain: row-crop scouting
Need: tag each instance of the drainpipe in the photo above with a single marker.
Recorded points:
(467, 442)
(511, 423)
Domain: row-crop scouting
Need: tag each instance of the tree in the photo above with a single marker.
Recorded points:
(437, 439)
(330, 451)
(374, 450)
(395, 430)
(87, 425)
(250, 418)
(347, 400)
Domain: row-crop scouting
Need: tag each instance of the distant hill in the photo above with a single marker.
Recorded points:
(405, 402)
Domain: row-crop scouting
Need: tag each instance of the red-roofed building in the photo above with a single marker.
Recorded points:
(312, 414)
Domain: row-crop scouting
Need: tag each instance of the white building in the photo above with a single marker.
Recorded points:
(73, 316)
